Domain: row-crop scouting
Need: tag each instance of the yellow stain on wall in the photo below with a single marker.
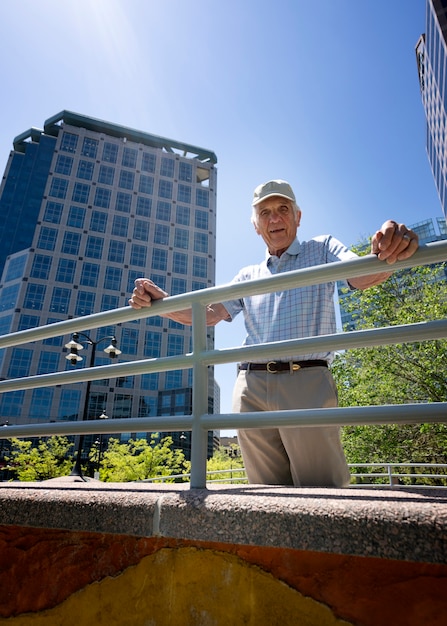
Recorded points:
(186, 587)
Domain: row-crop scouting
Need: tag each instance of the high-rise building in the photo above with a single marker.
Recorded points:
(87, 207)
(431, 56)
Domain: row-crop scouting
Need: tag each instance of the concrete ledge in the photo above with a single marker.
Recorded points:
(407, 525)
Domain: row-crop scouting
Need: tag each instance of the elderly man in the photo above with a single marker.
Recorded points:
(301, 456)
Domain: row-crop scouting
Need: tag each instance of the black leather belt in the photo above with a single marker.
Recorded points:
(273, 367)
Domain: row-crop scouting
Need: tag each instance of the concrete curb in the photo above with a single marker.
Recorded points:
(402, 524)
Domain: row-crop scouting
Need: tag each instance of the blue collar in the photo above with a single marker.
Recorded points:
(292, 250)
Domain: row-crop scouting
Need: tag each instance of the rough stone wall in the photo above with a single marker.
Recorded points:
(66, 577)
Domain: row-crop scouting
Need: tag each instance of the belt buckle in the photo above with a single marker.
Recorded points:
(268, 367)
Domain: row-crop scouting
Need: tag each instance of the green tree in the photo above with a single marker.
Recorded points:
(224, 459)
(139, 459)
(50, 458)
(396, 374)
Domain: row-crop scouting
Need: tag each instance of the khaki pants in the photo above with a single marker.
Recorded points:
(293, 455)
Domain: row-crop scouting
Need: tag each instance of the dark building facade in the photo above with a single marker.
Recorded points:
(87, 207)
(431, 57)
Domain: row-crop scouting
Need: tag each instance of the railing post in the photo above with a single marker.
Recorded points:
(390, 473)
(199, 438)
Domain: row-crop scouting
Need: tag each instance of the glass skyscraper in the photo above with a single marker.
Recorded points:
(87, 207)
(431, 56)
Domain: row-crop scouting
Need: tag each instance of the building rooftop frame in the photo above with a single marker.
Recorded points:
(52, 127)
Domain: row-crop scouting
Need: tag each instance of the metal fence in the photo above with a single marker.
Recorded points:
(200, 421)
(420, 475)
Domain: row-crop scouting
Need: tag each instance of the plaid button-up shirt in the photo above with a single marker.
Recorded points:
(295, 313)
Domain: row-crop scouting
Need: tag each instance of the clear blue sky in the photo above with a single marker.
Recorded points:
(322, 93)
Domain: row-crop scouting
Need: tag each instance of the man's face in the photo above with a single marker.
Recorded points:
(277, 223)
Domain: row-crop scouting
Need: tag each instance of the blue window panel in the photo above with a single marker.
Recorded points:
(201, 219)
(185, 172)
(164, 211)
(161, 234)
(28, 321)
(113, 278)
(66, 271)
(167, 167)
(60, 300)
(201, 242)
(144, 206)
(34, 297)
(199, 267)
(76, 217)
(146, 184)
(98, 221)
(8, 297)
(69, 404)
(180, 263)
(123, 202)
(11, 403)
(81, 192)
(20, 363)
(183, 215)
(173, 380)
(47, 238)
(109, 302)
(181, 238)
(41, 403)
(159, 259)
(48, 362)
(71, 243)
(16, 267)
(85, 303)
(148, 162)
(120, 225)
(129, 341)
(175, 344)
(141, 230)
(152, 344)
(106, 175)
(64, 165)
(93, 249)
(129, 157)
(178, 285)
(117, 250)
(184, 193)
(202, 198)
(102, 197)
(53, 212)
(41, 266)
(58, 188)
(138, 255)
(109, 152)
(126, 180)
(165, 189)
(90, 147)
(85, 170)
(89, 274)
(69, 142)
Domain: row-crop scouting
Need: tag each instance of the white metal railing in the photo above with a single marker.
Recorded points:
(363, 479)
(199, 422)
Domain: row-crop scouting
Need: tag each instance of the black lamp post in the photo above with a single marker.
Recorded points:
(103, 416)
(74, 346)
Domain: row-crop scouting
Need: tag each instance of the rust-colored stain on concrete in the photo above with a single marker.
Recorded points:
(42, 570)
(190, 587)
